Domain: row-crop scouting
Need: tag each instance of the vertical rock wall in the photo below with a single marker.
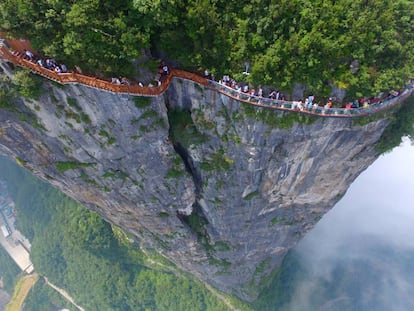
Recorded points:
(246, 186)
(266, 177)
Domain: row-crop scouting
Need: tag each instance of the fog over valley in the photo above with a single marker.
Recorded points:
(361, 254)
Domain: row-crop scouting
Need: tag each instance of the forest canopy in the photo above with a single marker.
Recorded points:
(362, 45)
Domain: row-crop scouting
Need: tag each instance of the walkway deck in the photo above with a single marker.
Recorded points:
(13, 51)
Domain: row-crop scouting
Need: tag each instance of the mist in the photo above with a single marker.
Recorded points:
(360, 256)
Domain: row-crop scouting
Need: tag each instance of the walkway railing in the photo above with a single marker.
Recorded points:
(77, 78)
(137, 90)
(292, 106)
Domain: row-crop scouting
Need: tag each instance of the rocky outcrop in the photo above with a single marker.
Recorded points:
(221, 188)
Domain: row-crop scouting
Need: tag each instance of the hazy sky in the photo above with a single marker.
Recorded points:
(373, 224)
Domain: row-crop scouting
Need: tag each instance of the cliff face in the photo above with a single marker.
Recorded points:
(220, 188)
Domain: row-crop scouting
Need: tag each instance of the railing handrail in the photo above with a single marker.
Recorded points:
(318, 111)
(151, 91)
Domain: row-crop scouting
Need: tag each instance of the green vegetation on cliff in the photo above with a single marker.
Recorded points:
(365, 46)
(8, 271)
(402, 124)
(77, 250)
(24, 83)
(42, 297)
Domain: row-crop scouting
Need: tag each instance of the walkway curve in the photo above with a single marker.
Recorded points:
(15, 56)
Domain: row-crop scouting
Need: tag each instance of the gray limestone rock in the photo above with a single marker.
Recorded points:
(228, 206)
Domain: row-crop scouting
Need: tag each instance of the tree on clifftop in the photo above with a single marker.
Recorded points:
(363, 45)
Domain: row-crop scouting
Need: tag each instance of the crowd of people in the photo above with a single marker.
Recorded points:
(307, 103)
(163, 71)
(122, 80)
(52, 64)
(245, 88)
(48, 63)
